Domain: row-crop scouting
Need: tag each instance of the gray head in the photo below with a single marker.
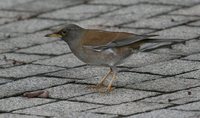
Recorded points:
(67, 32)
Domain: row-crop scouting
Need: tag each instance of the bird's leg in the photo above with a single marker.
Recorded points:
(104, 78)
(100, 84)
(109, 88)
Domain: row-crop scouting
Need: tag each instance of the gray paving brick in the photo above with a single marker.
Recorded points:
(5, 20)
(9, 115)
(29, 84)
(28, 26)
(68, 60)
(193, 74)
(117, 2)
(68, 91)
(27, 40)
(166, 84)
(81, 72)
(161, 22)
(10, 3)
(132, 13)
(2, 80)
(191, 46)
(188, 107)
(123, 79)
(60, 109)
(55, 48)
(165, 113)
(146, 58)
(79, 12)
(26, 70)
(86, 115)
(14, 103)
(188, 11)
(4, 35)
(106, 24)
(180, 97)
(181, 32)
(15, 14)
(175, 2)
(45, 5)
(172, 67)
(115, 97)
(130, 108)
(22, 57)
(194, 57)
(197, 23)
(128, 2)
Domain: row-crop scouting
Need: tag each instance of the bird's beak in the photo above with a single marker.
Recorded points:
(57, 35)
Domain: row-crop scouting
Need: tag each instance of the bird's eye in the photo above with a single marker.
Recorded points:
(63, 32)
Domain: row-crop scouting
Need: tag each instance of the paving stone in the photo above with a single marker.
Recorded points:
(191, 46)
(9, 115)
(15, 14)
(193, 74)
(128, 2)
(10, 3)
(166, 84)
(28, 26)
(175, 2)
(180, 32)
(81, 72)
(193, 57)
(131, 13)
(61, 108)
(129, 108)
(68, 60)
(86, 115)
(29, 84)
(123, 79)
(165, 113)
(161, 22)
(115, 97)
(26, 40)
(4, 36)
(67, 91)
(13, 59)
(145, 58)
(26, 70)
(2, 80)
(5, 20)
(180, 97)
(79, 12)
(45, 5)
(14, 103)
(187, 48)
(197, 23)
(172, 67)
(195, 106)
(54, 48)
(95, 23)
(116, 2)
(21, 57)
(191, 11)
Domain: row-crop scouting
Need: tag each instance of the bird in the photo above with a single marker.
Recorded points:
(105, 48)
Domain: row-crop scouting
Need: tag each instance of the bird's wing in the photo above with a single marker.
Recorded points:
(91, 37)
(107, 39)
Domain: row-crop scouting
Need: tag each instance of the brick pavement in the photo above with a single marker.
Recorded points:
(163, 83)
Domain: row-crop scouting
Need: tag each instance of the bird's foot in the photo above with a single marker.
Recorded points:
(96, 87)
(35, 94)
(101, 88)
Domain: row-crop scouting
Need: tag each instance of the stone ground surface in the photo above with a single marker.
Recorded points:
(163, 83)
